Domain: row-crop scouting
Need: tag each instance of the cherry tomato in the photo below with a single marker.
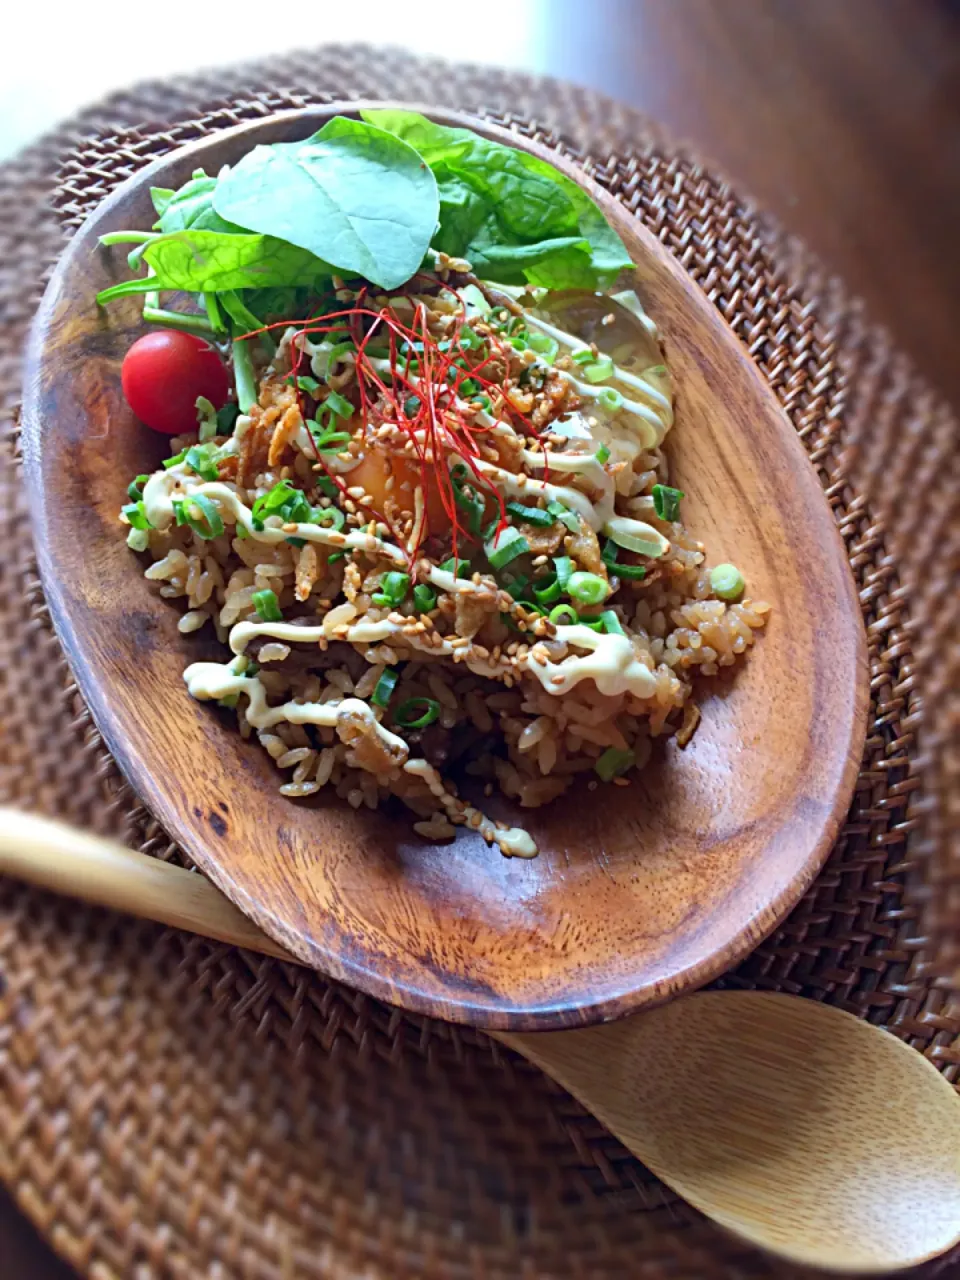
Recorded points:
(163, 374)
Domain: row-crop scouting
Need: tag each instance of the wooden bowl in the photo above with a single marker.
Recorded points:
(639, 892)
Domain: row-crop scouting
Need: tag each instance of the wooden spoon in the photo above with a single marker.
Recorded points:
(640, 892)
(802, 1129)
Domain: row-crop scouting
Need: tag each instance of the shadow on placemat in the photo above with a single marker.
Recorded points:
(175, 1108)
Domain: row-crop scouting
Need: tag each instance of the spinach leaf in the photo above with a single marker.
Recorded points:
(209, 261)
(190, 208)
(161, 197)
(514, 216)
(353, 195)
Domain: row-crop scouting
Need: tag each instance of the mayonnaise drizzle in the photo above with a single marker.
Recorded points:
(612, 664)
(207, 681)
(599, 515)
(654, 418)
(162, 487)
(611, 660)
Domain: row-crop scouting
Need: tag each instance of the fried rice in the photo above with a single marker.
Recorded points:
(395, 580)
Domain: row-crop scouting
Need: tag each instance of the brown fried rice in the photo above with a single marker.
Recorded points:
(473, 658)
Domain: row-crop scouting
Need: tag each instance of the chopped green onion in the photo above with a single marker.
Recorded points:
(727, 582)
(636, 536)
(266, 604)
(506, 546)
(411, 406)
(599, 370)
(610, 399)
(518, 344)
(199, 458)
(138, 539)
(459, 568)
(338, 351)
(297, 510)
(469, 340)
(564, 615)
(471, 502)
(630, 572)
(531, 515)
(515, 584)
(327, 487)
(564, 567)
(206, 418)
(611, 623)
(303, 382)
(666, 501)
(175, 460)
(548, 591)
(583, 356)
(530, 607)
(545, 346)
(409, 716)
(135, 487)
(272, 501)
(424, 598)
(339, 405)
(385, 687)
(136, 515)
(393, 587)
(214, 524)
(613, 763)
(626, 571)
(602, 455)
(593, 623)
(327, 440)
(484, 401)
(297, 542)
(587, 588)
(564, 515)
(328, 517)
(334, 556)
(227, 417)
(230, 701)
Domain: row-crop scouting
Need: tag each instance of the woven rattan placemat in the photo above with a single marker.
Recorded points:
(174, 1108)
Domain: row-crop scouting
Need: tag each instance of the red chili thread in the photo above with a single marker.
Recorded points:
(436, 386)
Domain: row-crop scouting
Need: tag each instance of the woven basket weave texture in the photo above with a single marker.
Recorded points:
(169, 1107)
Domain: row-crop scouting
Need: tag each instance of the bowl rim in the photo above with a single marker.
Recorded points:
(463, 1007)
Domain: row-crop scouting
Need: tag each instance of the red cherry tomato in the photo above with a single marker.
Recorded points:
(164, 373)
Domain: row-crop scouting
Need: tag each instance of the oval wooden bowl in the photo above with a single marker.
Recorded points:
(639, 892)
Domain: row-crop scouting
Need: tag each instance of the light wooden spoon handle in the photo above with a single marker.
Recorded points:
(100, 871)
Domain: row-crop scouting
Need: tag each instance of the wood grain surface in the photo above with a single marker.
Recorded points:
(767, 63)
(629, 901)
(772, 1114)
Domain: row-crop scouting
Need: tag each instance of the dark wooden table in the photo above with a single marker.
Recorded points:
(842, 117)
